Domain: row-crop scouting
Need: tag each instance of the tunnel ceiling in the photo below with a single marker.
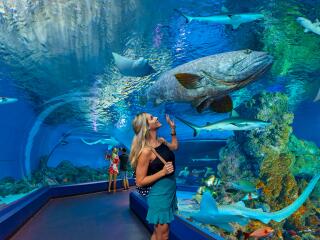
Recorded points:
(55, 48)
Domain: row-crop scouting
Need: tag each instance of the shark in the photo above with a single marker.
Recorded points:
(235, 20)
(111, 142)
(309, 26)
(6, 100)
(234, 123)
(132, 68)
(204, 159)
(222, 215)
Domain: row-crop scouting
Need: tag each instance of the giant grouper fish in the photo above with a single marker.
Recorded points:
(222, 215)
(207, 81)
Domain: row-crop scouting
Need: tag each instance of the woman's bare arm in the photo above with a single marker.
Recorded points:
(173, 145)
(142, 168)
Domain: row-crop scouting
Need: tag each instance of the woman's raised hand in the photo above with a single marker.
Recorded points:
(170, 122)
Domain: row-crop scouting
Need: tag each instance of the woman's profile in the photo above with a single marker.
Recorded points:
(147, 155)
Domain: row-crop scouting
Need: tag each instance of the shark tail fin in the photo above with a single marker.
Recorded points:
(208, 203)
(187, 18)
(195, 128)
(286, 212)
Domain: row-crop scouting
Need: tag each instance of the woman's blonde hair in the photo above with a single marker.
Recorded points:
(141, 130)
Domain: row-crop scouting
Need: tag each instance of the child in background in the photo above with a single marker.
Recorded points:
(113, 169)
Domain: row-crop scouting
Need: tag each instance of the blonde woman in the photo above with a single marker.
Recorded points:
(151, 171)
(113, 169)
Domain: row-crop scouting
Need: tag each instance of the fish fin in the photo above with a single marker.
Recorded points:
(235, 25)
(187, 18)
(225, 226)
(195, 128)
(208, 203)
(201, 103)
(222, 105)
(224, 9)
(241, 220)
(235, 18)
(119, 58)
(234, 113)
(151, 69)
(197, 101)
(317, 98)
(306, 30)
(188, 80)
(239, 204)
(115, 55)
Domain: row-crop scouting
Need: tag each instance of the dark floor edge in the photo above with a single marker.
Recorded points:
(16, 214)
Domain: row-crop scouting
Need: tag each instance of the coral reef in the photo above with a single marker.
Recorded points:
(251, 147)
(64, 173)
(274, 158)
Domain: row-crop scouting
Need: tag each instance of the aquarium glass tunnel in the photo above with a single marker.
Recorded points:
(92, 92)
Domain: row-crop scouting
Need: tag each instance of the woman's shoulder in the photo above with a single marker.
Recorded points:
(146, 151)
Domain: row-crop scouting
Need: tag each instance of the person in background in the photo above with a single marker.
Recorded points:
(113, 169)
(124, 168)
(146, 153)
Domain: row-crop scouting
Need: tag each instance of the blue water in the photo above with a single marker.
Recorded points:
(56, 59)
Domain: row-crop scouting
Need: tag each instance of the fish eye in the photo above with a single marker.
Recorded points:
(247, 51)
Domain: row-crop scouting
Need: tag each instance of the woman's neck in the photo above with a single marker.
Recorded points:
(153, 139)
